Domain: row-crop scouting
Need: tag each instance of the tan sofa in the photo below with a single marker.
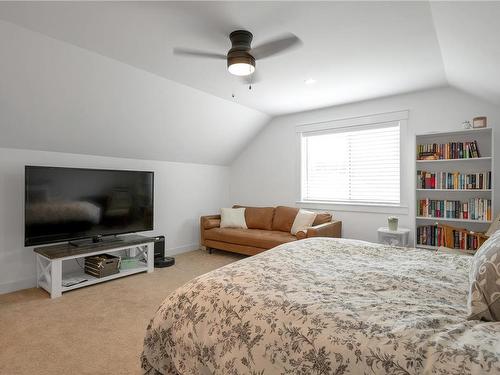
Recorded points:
(268, 227)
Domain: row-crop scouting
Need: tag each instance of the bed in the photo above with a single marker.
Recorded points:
(324, 306)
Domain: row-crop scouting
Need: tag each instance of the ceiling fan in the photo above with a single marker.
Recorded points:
(241, 58)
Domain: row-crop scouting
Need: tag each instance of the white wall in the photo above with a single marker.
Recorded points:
(183, 192)
(55, 96)
(266, 172)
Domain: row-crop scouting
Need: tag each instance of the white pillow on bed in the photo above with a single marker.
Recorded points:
(303, 220)
(233, 218)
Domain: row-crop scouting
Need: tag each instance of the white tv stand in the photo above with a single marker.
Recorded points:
(49, 261)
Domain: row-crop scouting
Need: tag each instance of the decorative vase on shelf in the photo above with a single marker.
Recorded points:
(392, 223)
(467, 125)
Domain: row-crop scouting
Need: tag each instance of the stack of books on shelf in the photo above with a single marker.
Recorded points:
(453, 180)
(451, 150)
(473, 209)
(453, 238)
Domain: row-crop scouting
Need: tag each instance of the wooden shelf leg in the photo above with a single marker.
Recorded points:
(39, 270)
(150, 257)
(56, 278)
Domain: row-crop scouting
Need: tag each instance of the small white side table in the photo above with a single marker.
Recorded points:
(399, 237)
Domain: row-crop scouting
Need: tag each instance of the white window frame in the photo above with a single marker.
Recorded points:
(370, 121)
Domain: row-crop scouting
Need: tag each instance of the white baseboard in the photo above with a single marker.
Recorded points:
(17, 285)
(181, 249)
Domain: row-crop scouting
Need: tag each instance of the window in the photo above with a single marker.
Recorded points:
(351, 164)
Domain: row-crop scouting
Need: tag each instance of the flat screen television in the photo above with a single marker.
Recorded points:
(65, 204)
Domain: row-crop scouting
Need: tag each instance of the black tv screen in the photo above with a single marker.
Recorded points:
(63, 204)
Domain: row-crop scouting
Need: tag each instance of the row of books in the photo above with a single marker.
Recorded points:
(452, 150)
(453, 180)
(453, 238)
(473, 209)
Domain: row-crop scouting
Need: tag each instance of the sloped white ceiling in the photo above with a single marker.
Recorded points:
(55, 96)
(355, 50)
(100, 77)
(469, 37)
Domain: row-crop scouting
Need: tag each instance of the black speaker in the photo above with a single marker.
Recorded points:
(159, 247)
(160, 259)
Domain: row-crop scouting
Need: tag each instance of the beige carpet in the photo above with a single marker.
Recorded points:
(94, 330)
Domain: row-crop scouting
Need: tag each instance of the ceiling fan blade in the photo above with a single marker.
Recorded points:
(197, 53)
(276, 46)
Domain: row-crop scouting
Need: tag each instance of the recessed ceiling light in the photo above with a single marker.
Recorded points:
(310, 81)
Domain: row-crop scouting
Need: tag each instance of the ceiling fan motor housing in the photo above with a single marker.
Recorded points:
(240, 51)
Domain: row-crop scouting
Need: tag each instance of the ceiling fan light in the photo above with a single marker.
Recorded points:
(241, 69)
(241, 65)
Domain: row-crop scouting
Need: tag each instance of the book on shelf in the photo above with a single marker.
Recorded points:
(472, 209)
(451, 150)
(448, 236)
(453, 180)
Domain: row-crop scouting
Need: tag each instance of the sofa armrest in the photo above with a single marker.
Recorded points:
(332, 229)
(210, 221)
(301, 234)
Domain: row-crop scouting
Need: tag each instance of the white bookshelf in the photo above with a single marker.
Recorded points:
(456, 190)
(484, 163)
(437, 219)
(471, 160)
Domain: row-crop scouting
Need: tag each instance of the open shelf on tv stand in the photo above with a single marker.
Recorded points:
(49, 261)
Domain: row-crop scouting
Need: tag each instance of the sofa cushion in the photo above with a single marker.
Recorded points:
(322, 218)
(284, 217)
(258, 217)
(264, 239)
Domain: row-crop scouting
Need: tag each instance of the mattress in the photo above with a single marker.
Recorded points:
(324, 306)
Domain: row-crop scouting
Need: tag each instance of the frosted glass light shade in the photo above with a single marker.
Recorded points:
(241, 69)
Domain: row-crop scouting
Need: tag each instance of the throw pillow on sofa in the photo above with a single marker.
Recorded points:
(232, 218)
(484, 279)
(303, 220)
(322, 218)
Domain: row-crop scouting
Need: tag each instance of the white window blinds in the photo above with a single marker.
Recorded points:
(359, 164)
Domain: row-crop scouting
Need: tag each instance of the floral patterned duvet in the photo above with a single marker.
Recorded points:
(324, 306)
